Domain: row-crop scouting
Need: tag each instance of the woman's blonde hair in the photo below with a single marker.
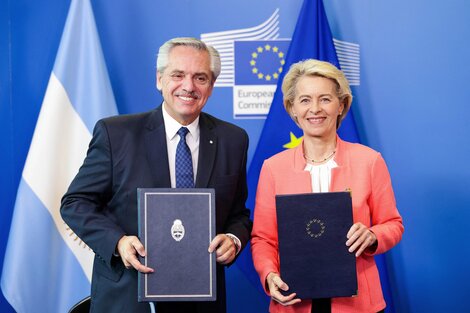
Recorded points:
(314, 67)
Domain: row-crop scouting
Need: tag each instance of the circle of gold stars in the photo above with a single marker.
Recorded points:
(267, 49)
(319, 223)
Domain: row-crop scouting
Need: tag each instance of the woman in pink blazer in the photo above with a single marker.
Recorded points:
(317, 97)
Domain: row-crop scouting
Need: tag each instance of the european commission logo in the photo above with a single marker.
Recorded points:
(253, 59)
(259, 62)
(258, 66)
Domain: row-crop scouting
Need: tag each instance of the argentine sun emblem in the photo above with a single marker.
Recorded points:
(177, 230)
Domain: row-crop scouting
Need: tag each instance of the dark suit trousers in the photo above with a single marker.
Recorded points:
(188, 307)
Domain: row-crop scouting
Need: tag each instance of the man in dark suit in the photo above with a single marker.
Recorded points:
(131, 151)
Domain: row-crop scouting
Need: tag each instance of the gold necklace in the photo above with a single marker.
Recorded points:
(313, 161)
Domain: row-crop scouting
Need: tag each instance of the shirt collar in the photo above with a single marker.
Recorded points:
(172, 126)
(339, 158)
(330, 164)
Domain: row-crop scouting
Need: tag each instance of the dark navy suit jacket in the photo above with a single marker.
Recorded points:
(100, 206)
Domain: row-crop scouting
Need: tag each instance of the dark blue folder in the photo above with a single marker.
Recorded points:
(176, 227)
(314, 258)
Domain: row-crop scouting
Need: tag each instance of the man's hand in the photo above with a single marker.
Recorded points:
(274, 282)
(224, 247)
(360, 238)
(128, 247)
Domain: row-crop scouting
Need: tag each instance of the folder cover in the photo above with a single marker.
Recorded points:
(176, 226)
(314, 258)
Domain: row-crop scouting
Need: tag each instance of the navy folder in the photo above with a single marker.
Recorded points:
(176, 227)
(314, 258)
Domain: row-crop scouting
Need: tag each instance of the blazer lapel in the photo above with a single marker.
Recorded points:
(339, 175)
(207, 151)
(157, 155)
(302, 182)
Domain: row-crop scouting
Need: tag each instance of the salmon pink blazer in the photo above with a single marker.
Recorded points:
(361, 170)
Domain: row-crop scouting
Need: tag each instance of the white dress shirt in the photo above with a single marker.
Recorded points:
(192, 139)
(321, 175)
(172, 140)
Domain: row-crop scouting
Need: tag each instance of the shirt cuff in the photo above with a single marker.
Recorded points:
(236, 241)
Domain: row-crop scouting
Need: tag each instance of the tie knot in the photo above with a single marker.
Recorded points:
(182, 132)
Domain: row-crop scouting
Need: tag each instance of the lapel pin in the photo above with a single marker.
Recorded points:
(211, 142)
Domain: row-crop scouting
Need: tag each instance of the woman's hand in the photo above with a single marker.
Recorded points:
(360, 238)
(275, 283)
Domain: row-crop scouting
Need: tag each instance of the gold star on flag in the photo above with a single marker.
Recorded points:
(276, 75)
(254, 55)
(254, 70)
(279, 70)
(275, 49)
(294, 142)
(252, 62)
(281, 54)
(260, 49)
(260, 75)
(283, 62)
(268, 77)
(267, 47)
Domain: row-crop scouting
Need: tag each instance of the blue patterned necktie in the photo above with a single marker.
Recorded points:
(183, 162)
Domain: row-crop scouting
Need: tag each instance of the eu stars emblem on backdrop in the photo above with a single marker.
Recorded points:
(258, 66)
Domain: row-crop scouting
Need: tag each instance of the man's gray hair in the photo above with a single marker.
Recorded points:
(164, 52)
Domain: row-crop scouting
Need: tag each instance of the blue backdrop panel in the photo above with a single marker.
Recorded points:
(410, 104)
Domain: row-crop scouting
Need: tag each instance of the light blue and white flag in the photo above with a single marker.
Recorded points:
(47, 267)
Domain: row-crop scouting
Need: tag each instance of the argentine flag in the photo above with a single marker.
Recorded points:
(47, 267)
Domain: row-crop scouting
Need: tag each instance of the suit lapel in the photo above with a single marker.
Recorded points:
(207, 151)
(157, 155)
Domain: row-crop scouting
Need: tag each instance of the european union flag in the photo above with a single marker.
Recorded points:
(312, 39)
(259, 62)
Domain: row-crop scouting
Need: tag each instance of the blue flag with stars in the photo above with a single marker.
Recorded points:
(312, 39)
(259, 62)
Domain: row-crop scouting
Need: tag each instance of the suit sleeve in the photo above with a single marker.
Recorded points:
(84, 206)
(238, 222)
(264, 242)
(387, 223)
